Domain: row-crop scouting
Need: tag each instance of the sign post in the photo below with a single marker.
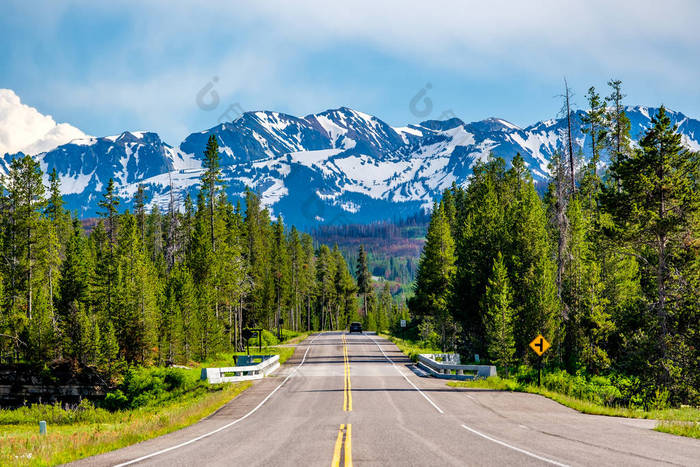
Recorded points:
(539, 345)
(403, 329)
(247, 334)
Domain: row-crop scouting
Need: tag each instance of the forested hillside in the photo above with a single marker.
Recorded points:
(392, 246)
(156, 287)
(606, 266)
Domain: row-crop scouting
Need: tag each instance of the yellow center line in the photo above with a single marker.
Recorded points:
(343, 449)
(348, 446)
(347, 359)
(345, 377)
(338, 446)
(347, 385)
(343, 443)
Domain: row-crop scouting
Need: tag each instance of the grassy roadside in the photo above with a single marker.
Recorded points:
(297, 339)
(87, 431)
(101, 431)
(681, 421)
(410, 348)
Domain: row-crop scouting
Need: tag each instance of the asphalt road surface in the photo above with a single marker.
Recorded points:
(354, 399)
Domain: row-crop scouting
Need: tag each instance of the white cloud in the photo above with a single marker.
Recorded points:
(23, 128)
(263, 51)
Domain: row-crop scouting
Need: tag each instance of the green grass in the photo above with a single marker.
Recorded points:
(681, 421)
(689, 429)
(293, 338)
(101, 431)
(87, 430)
(411, 348)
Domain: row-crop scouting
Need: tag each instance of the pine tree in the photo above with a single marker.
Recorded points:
(656, 207)
(135, 294)
(210, 179)
(345, 288)
(325, 280)
(435, 271)
(595, 127)
(172, 242)
(308, 276)
(55, 210)
(110, 203)
(154, 236)
(588, 324)
(109, 351)
(125, 293)
(498, 316)
(27, 191)
(619, 126)
(280, 271)
(296, 257)
(364, 277)
(482, 233)
(140, 211)
(528, 259)
(386, 303)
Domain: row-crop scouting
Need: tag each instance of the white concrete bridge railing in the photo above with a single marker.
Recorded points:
(233, 374)
(449, 367)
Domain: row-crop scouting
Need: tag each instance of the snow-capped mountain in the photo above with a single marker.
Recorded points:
(336, 166)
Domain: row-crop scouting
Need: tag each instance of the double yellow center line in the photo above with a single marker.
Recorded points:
(343, 448)
(343, 444)
(347, 391)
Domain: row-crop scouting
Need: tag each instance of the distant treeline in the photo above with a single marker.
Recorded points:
(392, 247)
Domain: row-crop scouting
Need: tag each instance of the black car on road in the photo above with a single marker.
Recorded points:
(356, 327)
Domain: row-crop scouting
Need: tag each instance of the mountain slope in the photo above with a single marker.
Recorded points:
(335, 167)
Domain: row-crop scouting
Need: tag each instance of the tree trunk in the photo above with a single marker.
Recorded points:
(570, 139)
(308, 313)
(661, 274)
(211, 214)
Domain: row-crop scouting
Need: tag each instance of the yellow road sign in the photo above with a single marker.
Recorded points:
(540, 345)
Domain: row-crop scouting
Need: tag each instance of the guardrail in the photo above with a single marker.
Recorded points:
(233, 374)
(449, 370)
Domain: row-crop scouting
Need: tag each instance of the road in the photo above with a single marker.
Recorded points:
(353, 399)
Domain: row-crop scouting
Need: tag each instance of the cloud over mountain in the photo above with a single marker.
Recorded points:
(25, 129)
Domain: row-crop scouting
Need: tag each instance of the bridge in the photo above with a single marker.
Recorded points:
(356, 400)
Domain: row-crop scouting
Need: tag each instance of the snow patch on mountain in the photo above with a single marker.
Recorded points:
(336, 166)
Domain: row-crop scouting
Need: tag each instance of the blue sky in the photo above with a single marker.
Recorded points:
(129, 65)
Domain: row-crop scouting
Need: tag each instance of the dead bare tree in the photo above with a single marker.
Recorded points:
(569, 137)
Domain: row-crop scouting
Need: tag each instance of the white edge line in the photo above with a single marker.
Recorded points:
(171, 448)
(502, 443)
(406, 378)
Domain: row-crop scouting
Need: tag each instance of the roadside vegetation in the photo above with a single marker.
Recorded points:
(157, 288)
(412, 348)
(603, 262)
(154, 402)
(148, 402)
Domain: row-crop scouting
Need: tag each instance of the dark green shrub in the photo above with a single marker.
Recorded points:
(115, 401)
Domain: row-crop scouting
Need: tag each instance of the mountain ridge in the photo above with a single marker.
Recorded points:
(333, 167)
